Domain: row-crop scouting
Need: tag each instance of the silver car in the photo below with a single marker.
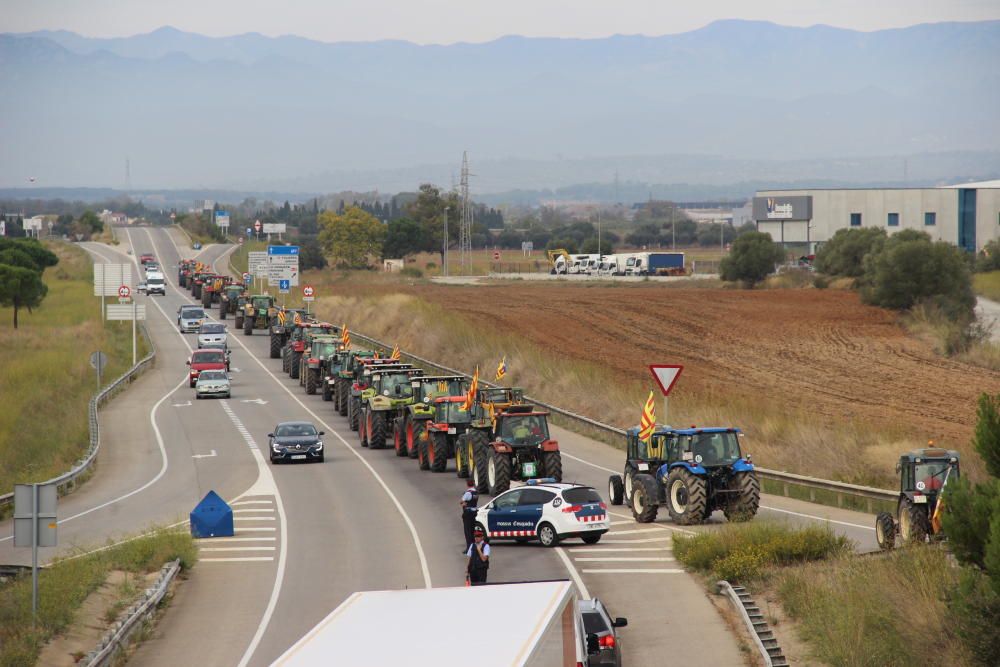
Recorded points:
(190, 318)
(212, 334)
(213, 383)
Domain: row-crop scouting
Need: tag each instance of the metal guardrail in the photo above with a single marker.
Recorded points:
(67, 480)
(724, 588)
(115, 639)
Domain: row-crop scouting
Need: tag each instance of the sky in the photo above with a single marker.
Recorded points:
(449, 21)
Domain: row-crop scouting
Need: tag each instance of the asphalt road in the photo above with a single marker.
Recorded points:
(309, 535)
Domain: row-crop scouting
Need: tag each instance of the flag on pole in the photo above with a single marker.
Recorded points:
(395, 353)
(501, 369)
(345, 337)
(282, 317)
(936, 516)
(648, 420)
(297, 320)
(470, 398)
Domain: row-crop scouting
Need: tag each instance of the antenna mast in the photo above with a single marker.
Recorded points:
(465, 231)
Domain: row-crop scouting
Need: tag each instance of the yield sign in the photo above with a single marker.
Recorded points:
(665, 376)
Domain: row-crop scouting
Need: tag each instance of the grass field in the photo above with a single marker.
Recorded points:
(64, 586)
(987, 284)
(46, 371)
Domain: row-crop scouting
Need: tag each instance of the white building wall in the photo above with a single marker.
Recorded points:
(987, 216)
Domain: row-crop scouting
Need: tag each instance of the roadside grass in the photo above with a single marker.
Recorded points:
(887, 610)
(744, 552)
(953, 339)
(107, 236)
(46, 371)
(987, 284)
(63, 586)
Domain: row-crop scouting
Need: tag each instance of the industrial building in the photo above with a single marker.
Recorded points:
(967, 214)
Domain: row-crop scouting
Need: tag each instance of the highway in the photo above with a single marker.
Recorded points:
(309, 535)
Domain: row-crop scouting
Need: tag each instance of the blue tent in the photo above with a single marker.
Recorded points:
(213, 517)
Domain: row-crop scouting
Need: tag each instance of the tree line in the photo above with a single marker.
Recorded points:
(22, 262)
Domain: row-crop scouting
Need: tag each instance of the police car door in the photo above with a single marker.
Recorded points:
(503, 514)
(531, 506)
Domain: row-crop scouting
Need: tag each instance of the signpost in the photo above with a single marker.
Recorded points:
(496, 255)
(666, 377)
(256, 227)
(128, 311)
(283, 264)
(274, 228)
(108, 278)
(98, 360)
(308, 294)
(247, 278)
(35, 525)
(123, 293)
(257, 263)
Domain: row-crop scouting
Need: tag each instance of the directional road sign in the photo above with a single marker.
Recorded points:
(125, 312)
(283, 264)
(98, 360)
(247, 278)
(257, 263)
(665, 375)
(249, 231)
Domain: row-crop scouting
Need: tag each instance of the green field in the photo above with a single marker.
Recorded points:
(987, 284)
(46, 371)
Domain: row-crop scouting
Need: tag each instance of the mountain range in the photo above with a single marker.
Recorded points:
(251, 112)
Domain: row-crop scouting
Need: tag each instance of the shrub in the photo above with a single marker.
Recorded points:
(821, 282)
(989, 258)
(844, 254)
(975, 609)
(753, 258)
(430, 266)
(412, 272)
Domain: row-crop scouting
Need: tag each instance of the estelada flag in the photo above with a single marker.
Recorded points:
(648, 420)
(395, 353)
(297, 320)
(345, 336)
(501, 369)
(939, 507)
(470, 398)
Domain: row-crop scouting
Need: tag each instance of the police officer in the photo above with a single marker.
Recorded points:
(479, 559)
(470, 499)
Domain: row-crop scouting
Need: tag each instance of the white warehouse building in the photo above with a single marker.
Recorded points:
(967, 215)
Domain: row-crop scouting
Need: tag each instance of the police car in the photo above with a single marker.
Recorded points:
(545, 510)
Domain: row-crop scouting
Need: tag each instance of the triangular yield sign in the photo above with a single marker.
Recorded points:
(665, 375)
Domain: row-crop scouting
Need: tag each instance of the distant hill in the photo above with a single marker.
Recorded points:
(251, 112)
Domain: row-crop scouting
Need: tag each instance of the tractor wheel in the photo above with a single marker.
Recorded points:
(222, 310)
(439, 452)
(616, 490)
(627, 479)
(744, 506)
(311, 376)
(239, 321)
(399, 436)
(552, 465)
(293, 365)
(342, 398)
(284, 361)
(206, 299)
(479, 454)
(687, 497)
(461, 449)
(327, 391)
(275, 347)
(424, 456)
(247, 326)
(414, 430)
(352, 412)
(376, 426)
(885, 531)
(196, 291)
(645, 498)
(362, 425)
(498, 472)
(913, 524)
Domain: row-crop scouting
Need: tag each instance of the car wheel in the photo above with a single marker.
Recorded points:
(547, 535)
(320, 459)
(591, 539)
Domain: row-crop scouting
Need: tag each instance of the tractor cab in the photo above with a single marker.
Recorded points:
(923, 475)
(491, 400)
(521, 426)
(393, 382)
(429, 388)
(450, 412)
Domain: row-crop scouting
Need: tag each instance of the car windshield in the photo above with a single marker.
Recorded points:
(211, 375)
(212, 329)
(153, 280)
(593, 623)
(293, 430)
(397, 384)
(209, 357)
(525, 429)
(581, 495)
(715, 449)
(931, 474)
(193, 313)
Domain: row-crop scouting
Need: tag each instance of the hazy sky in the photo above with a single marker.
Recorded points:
(447, 21)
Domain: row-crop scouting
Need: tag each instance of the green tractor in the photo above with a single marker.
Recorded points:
(408, 426)
(923, 474)
(231, 302)
(360, 381)
(332, 371)
(343, 384)
(315, 360)
(281, 328)
(257, 313)
(440, 434)
(388, 392)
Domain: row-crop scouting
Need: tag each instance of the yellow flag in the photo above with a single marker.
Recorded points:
(395, 353)
(648, 420)
(501, 369)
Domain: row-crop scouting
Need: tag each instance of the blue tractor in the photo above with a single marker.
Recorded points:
(692, 471)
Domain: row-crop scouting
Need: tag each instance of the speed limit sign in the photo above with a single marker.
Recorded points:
(124, 292)
(308, 293)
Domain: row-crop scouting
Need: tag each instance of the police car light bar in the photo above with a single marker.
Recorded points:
(541, 480)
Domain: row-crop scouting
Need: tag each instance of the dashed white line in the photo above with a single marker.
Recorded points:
(634, 571)
(216, 549)
(622, 559)
(247, 559)
(604, 550)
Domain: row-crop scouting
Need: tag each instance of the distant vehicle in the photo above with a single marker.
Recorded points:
(560, 260)
(295, 441)
(141, 288)
(614, 265)
(205, 360)
(213, 383)
(196, 245)
(151, 267)
(190, 318)
(546, 511)
(146, 258)
(655, 264)
(155, 284)
(581, 263)
(603, 647)
(212, 334)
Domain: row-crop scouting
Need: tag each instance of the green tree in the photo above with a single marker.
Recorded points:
(986, 439)
(753, 258)
(989, 257)
(351, 238)
(90, 221)
(911, 269)
(40, 256)
(845, 253)
(21, 287)
(404, 236)
(310, 254)
(429, 211)
(590, 246)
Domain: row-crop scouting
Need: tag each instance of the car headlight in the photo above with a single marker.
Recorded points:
(274, 446)
(319, 445)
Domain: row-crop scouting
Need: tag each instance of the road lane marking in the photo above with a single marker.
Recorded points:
(653, 525)
(244, 559)
(251, 529)
(215, 549)
(622, 559)
(592, 465)
(633, 571)
(817, 518)
(577, 579)
(665, 538)
(253, 518)
(604, 550)
(253, 502)
(266, 510)
(616, 533)
(223, 540)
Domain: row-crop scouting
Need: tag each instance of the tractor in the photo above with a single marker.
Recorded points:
(360, 381)
(183, 271)
(299, 339)
(388, 392)
(331, 372)
(231, 301)
(211, 289)
(257, 312)
(343, 382)
(198, 277)
(923, 474)
(408, 426)
(692, 471)
(315, 360)
(281, 327)
(440, 433)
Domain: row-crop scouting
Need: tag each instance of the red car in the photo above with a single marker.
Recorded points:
(145, 258)
(210, 359)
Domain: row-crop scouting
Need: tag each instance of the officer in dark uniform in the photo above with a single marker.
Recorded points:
(479, 559)
(469, 503)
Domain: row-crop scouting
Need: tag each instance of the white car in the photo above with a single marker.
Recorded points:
(547, 511)
(212, 334)
(155, 284)
(190, 318)
(213, 383)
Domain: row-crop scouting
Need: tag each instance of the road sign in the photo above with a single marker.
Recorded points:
(222, 218)
(35, 525)
(496, 255)
(308, 293)
(249, 231)
(123, 311)
(124, 292)
(247, 277)
(109, 277)
(274, 228)
(256, 225)
(283, 286)
(283, 264)
(241, 240)
(257, 263)
(666, 376)
(98, 360)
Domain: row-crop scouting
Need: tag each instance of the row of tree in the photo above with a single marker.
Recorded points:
(22, 262)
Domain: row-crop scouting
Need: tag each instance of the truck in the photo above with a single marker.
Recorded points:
(656, 264)
(534, 624)
(581, 263)
(613, 265)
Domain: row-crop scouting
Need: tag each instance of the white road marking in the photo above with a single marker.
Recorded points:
(250, 559)
(616, 533)
(214, 549)
(258, 509)
(665, 538)
(223, 540)
(592, 465)
(258, 401)
(182, 405)
(615, 559)
(635, 571)
(580, 586)
(817, 518)
(253, 502)
(604, 550)
(253, 518)
(204, 456)
(251, 529)
(653, 525)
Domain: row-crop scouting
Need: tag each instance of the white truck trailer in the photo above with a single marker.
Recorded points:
(534, 624)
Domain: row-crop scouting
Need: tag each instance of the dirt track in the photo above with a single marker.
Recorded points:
(819, 351)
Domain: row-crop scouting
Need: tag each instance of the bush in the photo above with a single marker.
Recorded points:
(975, 609)
(844, 254)
(412, 272)
(989, 258)
(753, 258)
(430, 266)
(821, 282)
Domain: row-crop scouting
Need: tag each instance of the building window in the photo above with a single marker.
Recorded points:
(894, 219)
(930, 219)
(855, 219)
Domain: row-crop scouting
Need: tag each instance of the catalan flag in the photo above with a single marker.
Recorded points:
(501, 369)
(298, 320)
(282, 317)
(648, 421)
(345, 337)
(395, 353)
(939, 507)
(470, 398)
